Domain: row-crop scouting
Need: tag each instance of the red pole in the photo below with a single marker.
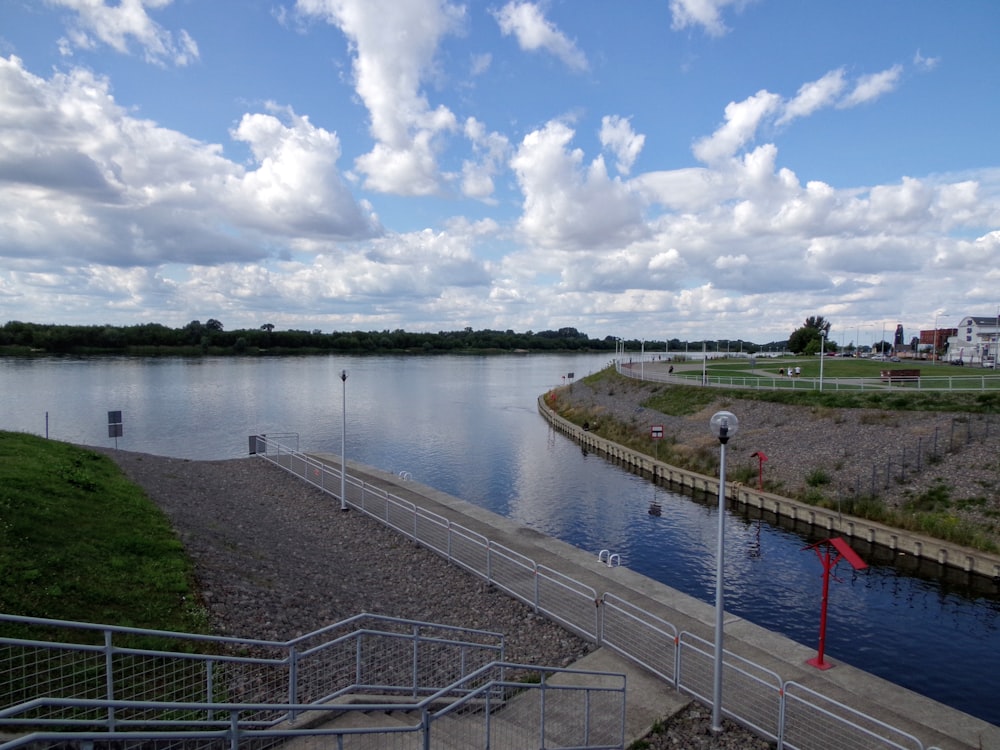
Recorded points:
(826, 557)
(828, 565)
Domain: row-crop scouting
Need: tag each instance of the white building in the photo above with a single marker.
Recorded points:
(977, 341)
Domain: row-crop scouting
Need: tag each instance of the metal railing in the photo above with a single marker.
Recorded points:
(985, 382)
(98, 685)
(682, 659)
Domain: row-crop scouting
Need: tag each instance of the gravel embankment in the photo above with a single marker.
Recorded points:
(850, 449)
(276, 558)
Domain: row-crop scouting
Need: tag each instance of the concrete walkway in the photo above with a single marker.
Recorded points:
(650, 699)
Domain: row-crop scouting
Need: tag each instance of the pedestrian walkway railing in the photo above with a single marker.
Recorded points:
(682, 659)
(693, 376)
(103, 686)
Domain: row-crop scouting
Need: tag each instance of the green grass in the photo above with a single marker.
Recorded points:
(850, 373)
(79, 541)
(678, 400)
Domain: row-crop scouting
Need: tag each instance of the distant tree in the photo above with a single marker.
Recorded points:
(213, 325)
(267, 327)
(810, 331)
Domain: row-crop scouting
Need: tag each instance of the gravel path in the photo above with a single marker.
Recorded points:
(276, 558)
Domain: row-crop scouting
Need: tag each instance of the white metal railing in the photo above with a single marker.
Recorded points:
(223, 691)
(754, 692)
(985, 382)
(809, 714)
(758, 703)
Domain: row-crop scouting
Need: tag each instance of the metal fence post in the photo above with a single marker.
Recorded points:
(234, 730)
(541, 723)
(109, 676)
(416, 659)
(210, 686)
(293, 679)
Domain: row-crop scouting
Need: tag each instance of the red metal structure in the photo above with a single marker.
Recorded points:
(830, 552)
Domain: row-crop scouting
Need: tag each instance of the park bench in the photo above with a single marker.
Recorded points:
(896, 376)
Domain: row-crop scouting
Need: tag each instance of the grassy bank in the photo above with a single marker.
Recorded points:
(79, 541)
(934, 512)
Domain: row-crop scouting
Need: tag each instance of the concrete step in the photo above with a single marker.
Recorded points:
(371, 721)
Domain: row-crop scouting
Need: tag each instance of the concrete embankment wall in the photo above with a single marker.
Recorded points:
(829, 522)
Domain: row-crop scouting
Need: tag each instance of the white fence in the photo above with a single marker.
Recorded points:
(784, 712)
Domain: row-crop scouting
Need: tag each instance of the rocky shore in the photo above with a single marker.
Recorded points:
(275, 558)
(912, 459)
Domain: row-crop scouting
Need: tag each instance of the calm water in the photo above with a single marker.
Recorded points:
(469, 427)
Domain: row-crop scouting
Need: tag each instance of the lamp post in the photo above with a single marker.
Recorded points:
(822, 356)
(343, 442)
(934, 356)
(723, 425)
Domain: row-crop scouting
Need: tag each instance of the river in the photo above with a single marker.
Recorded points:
(469, 426)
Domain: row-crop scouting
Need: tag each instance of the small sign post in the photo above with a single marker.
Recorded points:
(115, 429)
(656, 434)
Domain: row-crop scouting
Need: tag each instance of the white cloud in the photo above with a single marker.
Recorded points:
(394, 45)
(295, 188)
(925, 63)
(704, 13)
(814, 95)
(732, 262)
(526, 22)
(740, 127)
(104, 186)
(492, 148)
(121, 24)
(873, 86)
(618, 137)
(481, 63)
(744, 119)
(568, 204)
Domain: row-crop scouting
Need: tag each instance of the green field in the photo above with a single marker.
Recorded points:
(840, 374)
(79, 541)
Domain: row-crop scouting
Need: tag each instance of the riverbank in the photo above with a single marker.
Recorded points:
(818, 453)
(275, 558)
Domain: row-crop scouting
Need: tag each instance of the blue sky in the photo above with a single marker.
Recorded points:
(649, 169)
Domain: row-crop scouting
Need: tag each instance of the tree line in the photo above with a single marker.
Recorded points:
(211, 337)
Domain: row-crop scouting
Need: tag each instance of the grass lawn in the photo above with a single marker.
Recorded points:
(79, 541)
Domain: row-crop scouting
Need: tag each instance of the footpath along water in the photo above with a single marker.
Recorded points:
(469, 427)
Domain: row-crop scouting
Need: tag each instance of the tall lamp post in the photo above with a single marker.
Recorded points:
(723, 425)
(935, 356)
(343, 442)
(822, 356)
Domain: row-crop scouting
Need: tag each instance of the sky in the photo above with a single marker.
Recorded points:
(654, 169)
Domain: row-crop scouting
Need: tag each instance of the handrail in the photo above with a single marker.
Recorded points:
(582, 621)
